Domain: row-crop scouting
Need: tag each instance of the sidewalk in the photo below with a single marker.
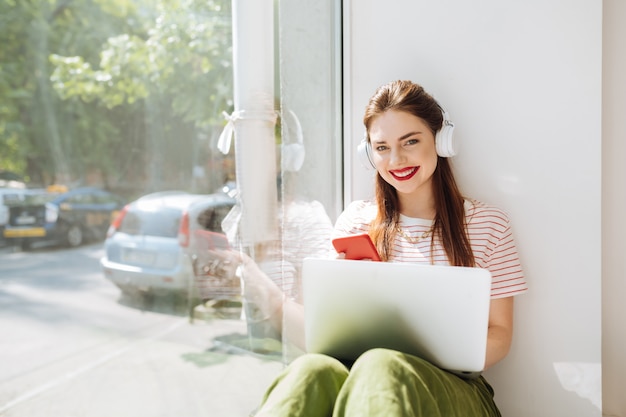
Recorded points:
(197, 369)
(248, 365)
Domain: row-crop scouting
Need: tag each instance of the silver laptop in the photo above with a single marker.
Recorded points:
(439, 313)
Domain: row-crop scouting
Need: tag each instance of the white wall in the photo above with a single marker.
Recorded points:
(522, 82)
(613, 209)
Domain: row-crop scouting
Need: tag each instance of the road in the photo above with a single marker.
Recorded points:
(71, 345)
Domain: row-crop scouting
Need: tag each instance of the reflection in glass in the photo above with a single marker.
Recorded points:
(128, 96)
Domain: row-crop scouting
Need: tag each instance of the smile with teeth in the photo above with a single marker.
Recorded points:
(404, 174)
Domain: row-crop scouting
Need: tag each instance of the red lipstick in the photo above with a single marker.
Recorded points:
(404, 174)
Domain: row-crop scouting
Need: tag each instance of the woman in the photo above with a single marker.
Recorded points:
(419, 215)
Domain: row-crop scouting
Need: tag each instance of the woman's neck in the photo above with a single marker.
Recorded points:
(422, 207)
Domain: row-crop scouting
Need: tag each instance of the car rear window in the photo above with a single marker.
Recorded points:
(30, 199)
(211, 218)
(162, 223)
(9, 198)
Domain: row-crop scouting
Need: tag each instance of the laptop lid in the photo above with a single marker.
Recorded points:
(439, 313)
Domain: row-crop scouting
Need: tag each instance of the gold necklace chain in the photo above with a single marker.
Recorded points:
(414, 240)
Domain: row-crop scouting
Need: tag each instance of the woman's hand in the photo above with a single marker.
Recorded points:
(215, 271)
(257, 288)
(260, 290)
(222, 264)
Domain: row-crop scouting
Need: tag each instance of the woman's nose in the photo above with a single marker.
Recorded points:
(396, 156)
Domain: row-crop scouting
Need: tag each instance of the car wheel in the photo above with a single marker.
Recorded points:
(74, 236)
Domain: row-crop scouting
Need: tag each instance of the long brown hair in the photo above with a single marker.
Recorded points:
(449, 225)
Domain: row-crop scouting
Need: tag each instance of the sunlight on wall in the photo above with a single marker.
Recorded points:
(585, 379)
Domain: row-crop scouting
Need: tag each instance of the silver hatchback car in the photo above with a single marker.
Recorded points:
(146, 249)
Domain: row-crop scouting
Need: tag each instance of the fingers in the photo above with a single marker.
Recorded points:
(218, 268)
(342, 255)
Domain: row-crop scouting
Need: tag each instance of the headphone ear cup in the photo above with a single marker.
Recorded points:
(292, 156)
(365, 154)
(444, 142)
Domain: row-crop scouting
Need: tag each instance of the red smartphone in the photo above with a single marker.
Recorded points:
(357, 247)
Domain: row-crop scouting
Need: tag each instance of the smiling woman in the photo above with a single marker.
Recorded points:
(408, 158)
(415, 188)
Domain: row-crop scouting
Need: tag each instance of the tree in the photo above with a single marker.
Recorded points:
(112, 86)
(32, 121)
(182, 66)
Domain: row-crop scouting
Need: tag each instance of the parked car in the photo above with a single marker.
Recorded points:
(147, 248)
(61, 216)
(8, 196)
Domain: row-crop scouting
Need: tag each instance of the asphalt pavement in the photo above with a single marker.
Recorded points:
(206, 365)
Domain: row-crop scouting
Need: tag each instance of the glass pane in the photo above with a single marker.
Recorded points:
(114, 191)
(163, 223)
(311, 126)
(124, 96)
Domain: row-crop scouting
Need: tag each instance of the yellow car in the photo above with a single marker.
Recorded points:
(65, 217)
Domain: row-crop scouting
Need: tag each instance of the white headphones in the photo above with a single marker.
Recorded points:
(292, 154)
(444, 143)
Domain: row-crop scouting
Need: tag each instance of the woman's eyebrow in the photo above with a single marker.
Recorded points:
(408, 135)
(405, 136)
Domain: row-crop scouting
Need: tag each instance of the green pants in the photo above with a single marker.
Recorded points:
(381, 382)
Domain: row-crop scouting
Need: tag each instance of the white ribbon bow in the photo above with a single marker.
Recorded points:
(226, 137)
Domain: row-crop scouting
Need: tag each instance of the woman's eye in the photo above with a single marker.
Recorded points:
(381, 148)
(412, 141)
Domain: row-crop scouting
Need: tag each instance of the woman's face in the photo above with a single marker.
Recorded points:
(404, 153)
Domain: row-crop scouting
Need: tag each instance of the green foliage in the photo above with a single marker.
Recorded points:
(117, 87)
(125, 62)
(186, 50)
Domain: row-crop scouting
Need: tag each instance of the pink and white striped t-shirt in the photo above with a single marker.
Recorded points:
(490, 236)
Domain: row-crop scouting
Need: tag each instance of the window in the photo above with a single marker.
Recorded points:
(127, 96)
